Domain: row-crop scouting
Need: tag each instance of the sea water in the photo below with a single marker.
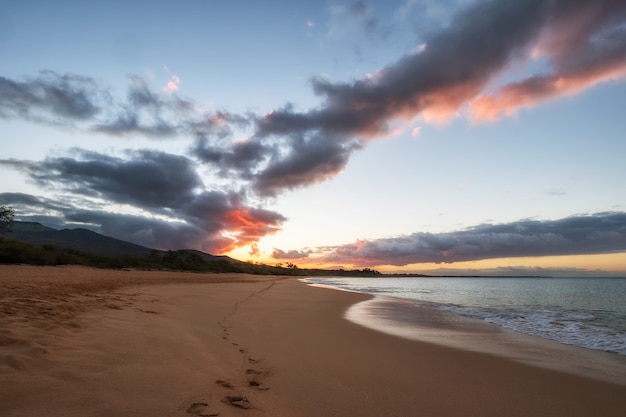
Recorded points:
(584, 312)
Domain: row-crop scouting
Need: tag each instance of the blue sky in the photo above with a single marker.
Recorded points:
(409, 135)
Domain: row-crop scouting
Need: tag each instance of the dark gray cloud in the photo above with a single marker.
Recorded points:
(146, 112)
(41, 210)
(592, 234)
(180, 210)
(52, 98)
(308, 161)
(129, 123)
(146, 179)
(272, 167)
(241, 158)
(73, 100)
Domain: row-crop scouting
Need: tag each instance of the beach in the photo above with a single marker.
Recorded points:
(88, 342)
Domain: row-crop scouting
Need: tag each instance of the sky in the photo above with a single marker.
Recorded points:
(450, 136)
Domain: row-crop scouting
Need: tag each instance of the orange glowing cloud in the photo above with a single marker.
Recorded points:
(245, 226)
(531, 91)
(442, 105)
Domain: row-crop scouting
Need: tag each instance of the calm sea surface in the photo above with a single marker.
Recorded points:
(586, 312)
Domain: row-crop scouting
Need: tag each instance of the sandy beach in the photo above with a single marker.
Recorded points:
(85, 342)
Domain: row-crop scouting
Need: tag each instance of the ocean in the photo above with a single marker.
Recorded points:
(584, 312)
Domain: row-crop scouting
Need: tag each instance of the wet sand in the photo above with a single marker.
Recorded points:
(84, 342)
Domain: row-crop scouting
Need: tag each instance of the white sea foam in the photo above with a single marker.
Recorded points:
(571, 328)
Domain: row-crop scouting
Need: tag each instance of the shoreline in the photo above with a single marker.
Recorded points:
(402, 318)
(422, 320)
(181, 345)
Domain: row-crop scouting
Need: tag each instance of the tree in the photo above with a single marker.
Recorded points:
(184, 259)
(6, 217)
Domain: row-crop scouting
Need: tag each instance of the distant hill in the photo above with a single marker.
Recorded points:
(35, 244)
(86, 241)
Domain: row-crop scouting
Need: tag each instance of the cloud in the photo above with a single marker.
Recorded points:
(272, 162)
(353, 17)
(82, 102)
(594, 52)
(147, 197)
(145, 112)
(42, 210)
(591, 234)
(52, 98)
(556, 192)
(291, 254)
(146, 178)
(172, 84)
(455, 67)
(307, 161)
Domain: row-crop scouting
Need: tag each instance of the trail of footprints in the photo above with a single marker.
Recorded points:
(254, 377)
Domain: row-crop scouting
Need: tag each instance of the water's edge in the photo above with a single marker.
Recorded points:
(425, 323)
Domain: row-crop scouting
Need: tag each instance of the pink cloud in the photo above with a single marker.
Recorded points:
(172, 84)
(581, 58)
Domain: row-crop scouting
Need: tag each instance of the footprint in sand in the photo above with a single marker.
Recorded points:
(224, 384)
(146, 311)
(198, 409)
(238, 401)
(255, 381)
(254, 372)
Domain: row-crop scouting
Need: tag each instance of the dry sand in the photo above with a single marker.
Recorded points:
(84, 342)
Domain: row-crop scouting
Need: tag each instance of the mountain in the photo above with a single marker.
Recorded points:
(78, 239)
(85, 241)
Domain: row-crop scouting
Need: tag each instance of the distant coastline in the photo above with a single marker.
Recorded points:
(409, 275)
